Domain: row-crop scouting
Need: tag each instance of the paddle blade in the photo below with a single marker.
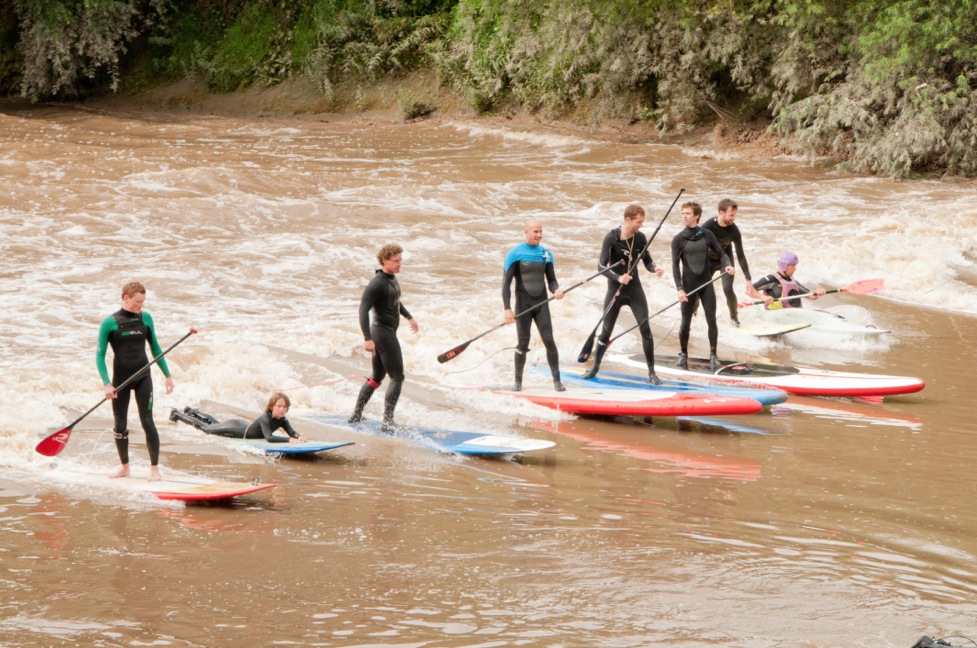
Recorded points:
(448, 355)
(588, 347)
(865, 286)
(54, 444)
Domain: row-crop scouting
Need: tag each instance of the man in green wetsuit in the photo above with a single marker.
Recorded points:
(127, 331)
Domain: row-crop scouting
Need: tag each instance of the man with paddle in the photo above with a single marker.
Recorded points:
(724, 227)
(777, 287)
(531, 265)
(128, 331)
(623, 247)
(382, 297)
(692, 270)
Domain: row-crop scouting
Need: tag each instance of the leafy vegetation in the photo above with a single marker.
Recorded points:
(881, 86)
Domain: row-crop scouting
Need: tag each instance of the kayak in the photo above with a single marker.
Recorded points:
(615, 380)
(793, 380)
(617, 401)
(818, 320)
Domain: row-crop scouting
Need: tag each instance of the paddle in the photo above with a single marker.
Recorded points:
(588, 346)
(448, 355)
(862, 287)
(691, 292)
(55, 443)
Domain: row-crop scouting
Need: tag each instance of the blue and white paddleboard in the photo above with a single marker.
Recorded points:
(307, 447)
(614, 380)
(455, 441)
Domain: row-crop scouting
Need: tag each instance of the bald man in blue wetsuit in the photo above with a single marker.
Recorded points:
(531, 265)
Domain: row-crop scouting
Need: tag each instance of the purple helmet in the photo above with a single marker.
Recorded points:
(785, 259)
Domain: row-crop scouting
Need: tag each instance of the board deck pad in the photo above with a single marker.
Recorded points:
(307, 447)
(617, 380)
(793, 380)
(451, 441)
(607, 401)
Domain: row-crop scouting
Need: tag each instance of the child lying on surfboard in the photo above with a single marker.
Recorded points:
(263, 427)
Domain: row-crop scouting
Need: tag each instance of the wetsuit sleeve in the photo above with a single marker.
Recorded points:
(648, 261)
(289, 430)
(154, 343)
(267, 429)
(510, 274)
(767, 283)
(108, 326)
(605, 256)
(370, 296)
(405, 312)
(740, 254)
(551, 278)
(677, 261)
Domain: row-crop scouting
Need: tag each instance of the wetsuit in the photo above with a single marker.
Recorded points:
(127, 333)
(777, 285)
(532, 268)
(728, 237)
(382, 296)
(690, 269)
(613, 250)
(262, 427)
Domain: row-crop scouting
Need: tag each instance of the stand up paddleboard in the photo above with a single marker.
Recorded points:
(611, 401)
(615, 380)
(793, 380)
(307, 447)
(451, 441)
(185, 489)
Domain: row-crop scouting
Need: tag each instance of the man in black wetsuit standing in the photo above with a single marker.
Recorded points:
(382, 296)
(627, 244)
(531, 265)
(691, 269)
(724, 227)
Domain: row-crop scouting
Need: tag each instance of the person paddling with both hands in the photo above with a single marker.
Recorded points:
(782, 284)
(128, 331)
(531, 266)
(692, 271)
(382, 298)
(626, 243)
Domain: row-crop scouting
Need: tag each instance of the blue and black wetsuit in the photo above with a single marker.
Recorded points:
(382, 297)
(614, 250)
(128, 334)
(532, 268)
(690, 269)
(728, 237)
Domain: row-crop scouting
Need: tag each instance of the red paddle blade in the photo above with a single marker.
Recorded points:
(448, 355)
(54, 444)
(865, 286)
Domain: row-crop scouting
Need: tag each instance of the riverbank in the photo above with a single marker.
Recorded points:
(389, 101)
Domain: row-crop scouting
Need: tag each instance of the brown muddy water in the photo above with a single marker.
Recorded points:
(829, 522)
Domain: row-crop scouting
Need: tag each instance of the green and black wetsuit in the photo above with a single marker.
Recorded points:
(128, 333)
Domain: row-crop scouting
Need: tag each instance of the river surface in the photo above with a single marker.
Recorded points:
(828, 522)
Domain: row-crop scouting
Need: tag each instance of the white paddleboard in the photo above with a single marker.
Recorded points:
(762, 328)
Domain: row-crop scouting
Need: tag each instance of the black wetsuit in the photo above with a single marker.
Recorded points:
(728, 237)
(262, 427)
(382, 297)
(128, 334)
(613, 250)
(691, 269)
(532, 268)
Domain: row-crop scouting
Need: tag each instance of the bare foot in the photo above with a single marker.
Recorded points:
(121, 472)
(154, 473)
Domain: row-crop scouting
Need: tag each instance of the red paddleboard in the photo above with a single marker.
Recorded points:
(634, 402)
